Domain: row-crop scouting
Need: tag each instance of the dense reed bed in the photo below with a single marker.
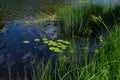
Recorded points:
(87, 19)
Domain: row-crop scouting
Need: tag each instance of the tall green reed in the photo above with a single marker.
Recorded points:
(79, 20)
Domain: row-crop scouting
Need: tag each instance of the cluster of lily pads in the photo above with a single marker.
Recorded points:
(56, 46)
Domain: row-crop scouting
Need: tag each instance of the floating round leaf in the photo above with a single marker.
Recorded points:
(59, 46)
(51, 48)
(59, 40)
(26, 41)
(64, 47)
(58, 50)
(59, 43)
(46, 42)
(66, 42)
(37, 40)
(51, 41)
(45, 39)
(50, 44)
(54, 44)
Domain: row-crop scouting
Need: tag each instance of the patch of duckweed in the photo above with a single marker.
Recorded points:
(57, 46)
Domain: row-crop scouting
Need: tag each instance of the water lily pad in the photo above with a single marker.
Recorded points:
(59, 40)
(45, 39)
(59, 43)
(66, 42)
(52, 43)
(64, 47)
(37, 40)
(46, 42)
(51, 48)
(26, 42)
(58, 50)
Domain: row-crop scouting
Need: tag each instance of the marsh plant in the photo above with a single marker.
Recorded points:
(79, 20)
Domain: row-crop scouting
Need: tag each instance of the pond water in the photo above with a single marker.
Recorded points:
(22, 23)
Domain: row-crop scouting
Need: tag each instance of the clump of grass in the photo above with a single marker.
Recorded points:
(78, 20)
(112, 50)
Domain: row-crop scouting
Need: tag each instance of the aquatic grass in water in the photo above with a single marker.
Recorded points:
(111, 50)
(78, 20)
